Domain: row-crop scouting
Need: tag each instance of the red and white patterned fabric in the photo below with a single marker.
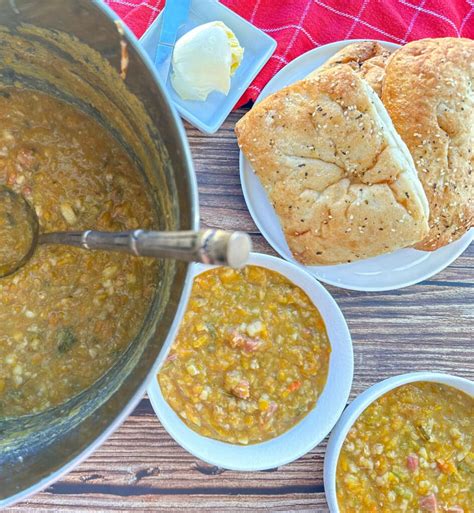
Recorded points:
(299, 25)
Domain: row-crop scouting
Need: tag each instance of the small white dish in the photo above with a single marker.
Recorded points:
(313, 428)
(385, 272)
(354, 410)
(209, 115)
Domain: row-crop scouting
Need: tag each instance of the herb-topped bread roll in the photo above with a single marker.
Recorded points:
(428, 91)
(367, 58)
(341, 180)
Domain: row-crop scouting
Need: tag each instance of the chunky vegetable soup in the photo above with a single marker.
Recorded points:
(410, 451)
(251, 357)
(16, 231)
(67, 315)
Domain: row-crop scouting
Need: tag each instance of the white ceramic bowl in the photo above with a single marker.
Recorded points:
(359, 404)
(391, 271)
(311, 430)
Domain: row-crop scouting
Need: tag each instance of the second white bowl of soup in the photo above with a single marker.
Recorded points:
(404, 445)
(261, 368)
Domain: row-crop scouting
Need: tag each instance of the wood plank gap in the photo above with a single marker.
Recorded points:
(62, 488)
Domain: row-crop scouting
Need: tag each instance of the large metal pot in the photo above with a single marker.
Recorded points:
(74, 49)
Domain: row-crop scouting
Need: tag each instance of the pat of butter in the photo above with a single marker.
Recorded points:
(204, 59)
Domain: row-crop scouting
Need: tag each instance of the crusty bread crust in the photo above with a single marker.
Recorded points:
(429, 93)
(341, 180)
(367, 58)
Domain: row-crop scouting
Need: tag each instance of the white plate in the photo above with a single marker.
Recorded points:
(359, 404)
(385, 272)
(258, 47)
(311, 430)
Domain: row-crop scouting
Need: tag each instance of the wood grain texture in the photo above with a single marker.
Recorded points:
(140, 468)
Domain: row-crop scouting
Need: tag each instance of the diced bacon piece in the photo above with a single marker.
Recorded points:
(11, 178)
(242, 389)
(27, 192)
(412, 462)
(237, 385)
(455, 509)
(252, 344)
(171, 357)
(429, 503)
(237, 340)
(25, 158)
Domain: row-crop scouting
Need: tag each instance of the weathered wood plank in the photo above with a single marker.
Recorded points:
(178, 503)
(150, 458)
(425, 327)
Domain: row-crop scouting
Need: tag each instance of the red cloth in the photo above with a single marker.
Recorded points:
(299, 25)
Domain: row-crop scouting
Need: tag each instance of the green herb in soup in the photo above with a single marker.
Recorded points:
(67, 315)
(410, 451)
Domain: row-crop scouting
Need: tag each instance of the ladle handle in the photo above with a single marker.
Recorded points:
(207, 246)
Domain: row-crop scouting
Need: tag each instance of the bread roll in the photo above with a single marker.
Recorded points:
(341, 180)
(428, 91)
(367, 58)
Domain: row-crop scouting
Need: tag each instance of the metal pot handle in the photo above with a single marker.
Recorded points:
(206, 246)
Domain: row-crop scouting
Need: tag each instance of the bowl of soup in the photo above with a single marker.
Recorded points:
(260, 369)
(404, 445)
(89, 139)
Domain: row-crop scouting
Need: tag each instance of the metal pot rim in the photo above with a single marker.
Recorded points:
(193, 190)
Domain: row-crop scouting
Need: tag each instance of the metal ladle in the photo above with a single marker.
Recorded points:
(207, 246)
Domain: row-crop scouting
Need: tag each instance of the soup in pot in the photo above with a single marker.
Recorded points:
(69, 313)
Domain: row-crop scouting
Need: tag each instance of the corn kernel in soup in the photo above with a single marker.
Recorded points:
(251, 357)
(410, 451)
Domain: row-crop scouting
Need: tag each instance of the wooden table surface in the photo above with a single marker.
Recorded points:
(140, 468)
